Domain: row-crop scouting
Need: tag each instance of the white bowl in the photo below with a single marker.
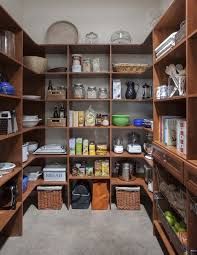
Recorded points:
(32, 146)
(30, 123)
(6, 167)
(30, 117)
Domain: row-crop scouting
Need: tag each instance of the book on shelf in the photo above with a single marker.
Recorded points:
(181, 144)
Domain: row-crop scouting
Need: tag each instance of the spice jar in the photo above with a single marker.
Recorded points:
(98, 119)
(91, 93)
(78, 91)
(76, 62)
(105, 120)
(86, 65)
(102, 93)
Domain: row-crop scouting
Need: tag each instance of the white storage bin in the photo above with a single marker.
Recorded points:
(54, 172)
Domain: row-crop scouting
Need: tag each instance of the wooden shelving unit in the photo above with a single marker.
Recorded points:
(28, 82)
(167, 159)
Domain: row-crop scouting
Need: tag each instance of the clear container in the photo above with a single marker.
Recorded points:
(91, 92)
(76, 59)
(7, 43)
(78, 91)
(121, 37)
(105, 120)
(102, 93)
(86, 63)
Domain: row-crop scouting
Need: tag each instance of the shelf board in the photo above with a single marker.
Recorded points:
(90, 156)
(54, 100)
(149, 162)
(55, 74)
(90, 48)
(30, 159)
(163, 237)
(94, 127)
(148, 74)
(193, 35)
(193, 95)
(8, 97)
(175, 54)
(127, 127)
(9, 176)
(89, 177)
(54, 48)
(171, 149)
(25, 130)
(8, 60)
(47, 127)
(133, 100)
(144, 48)
(6, 215)
(137, 182)
(125, 154)
(89, 74)
(4, 137)
(33, 100)
(27, 71)
(175, 98)
(88, 100)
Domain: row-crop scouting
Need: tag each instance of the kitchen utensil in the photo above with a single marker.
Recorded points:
(31, 97)
(8, 196)
(35, 63)
(121, 37)
(91, 38)
(25, 152)
(118, 145)
(120, 120)
(32, 146)
(33, 172)
(138, 122)
(30, 123)
(131, 92)
(147, 91)
(62, 32)
(126, 171)
(5, 87)
(6, 167)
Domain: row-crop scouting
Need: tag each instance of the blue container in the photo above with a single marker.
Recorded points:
(138, 122)
(25, 183)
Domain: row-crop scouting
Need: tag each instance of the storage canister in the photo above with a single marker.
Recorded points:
(78, 91)
(91, 92)
(102, 93)
(86, 63)
(54, 172)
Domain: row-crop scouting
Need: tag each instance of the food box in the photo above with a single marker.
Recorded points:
(85, 147)
(79, 142)
(54, 172)
(72, 146)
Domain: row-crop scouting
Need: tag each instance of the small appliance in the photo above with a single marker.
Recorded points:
(133, 145)
(127, 171)
(148, 147)
(118, 145)
(147, 91)
(8, 196)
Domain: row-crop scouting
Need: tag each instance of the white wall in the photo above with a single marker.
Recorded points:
(103, 17)
(14, 8)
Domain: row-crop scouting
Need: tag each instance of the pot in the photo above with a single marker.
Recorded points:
(126, 171)
(25, 152)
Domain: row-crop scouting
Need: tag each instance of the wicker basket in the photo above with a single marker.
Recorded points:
(50, 197)
(36, 64)
(128, 198)
(56, 122)
(130, 68)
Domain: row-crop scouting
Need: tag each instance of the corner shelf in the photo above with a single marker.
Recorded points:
(9, 176)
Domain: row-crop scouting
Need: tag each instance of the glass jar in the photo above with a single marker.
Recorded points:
(86, 65)
(78, 91)
(7, 42)
(76, 59)
(105, 120)
(91, 93)
(102, 93)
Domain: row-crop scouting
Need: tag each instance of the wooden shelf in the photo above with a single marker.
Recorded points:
(90, 156)
(4, 137)
(125, 154)
(133, 100)
(177, 53)
(89, 75)
(89, 177)
(8, 97)
(193, 35)
(175, 98)
(127, 127)
(88, 100)
(55, 74)
(163, 237)
(8, 60)
(6, 215)
(25, 130)
(94, 127)
(171, 149)
(9, 176)
(33, 100)
(31, 186)
(137, 182)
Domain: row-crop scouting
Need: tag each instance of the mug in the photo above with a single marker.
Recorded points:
(25, 152)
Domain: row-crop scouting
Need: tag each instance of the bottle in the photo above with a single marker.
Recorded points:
(56, 113)
(62, 111)
(50, 86)
(92, 149)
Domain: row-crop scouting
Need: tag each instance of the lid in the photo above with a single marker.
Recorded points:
(54, 167)
(77, 55)
(103, 89)
(92, 87)
(128, 188)
(49, 188)
(78, 85)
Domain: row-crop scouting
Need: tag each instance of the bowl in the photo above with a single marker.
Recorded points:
(120, 120)
(32, 146)
(35, 63)
(138, 122)
(30, 117)
(6, 167)
(30, 123)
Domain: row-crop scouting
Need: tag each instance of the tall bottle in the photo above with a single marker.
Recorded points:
(62, 111)
(56, 113)
(50, 86)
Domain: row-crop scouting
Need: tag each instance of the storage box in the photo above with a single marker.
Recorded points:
(56, 122)
(50, 197)
(128, 198)
(54, 172)
(59, 94)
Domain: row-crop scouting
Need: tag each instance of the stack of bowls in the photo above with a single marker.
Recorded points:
(30, 120)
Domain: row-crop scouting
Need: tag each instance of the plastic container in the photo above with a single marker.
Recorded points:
(25, 183)
(54, 172)
(138, 122)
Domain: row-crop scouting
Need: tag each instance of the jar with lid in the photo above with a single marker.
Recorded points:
(91, 92)
(102, 93)
(105, 120)
(76, 62)
(78, 91)
(86, 63)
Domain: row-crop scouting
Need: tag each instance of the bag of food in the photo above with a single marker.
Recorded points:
(90, 117)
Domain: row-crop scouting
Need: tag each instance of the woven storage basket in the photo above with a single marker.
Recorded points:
(130, 68)
(50, 197)
(36, 64)
(128, 198)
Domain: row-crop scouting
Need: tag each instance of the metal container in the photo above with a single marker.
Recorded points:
(126, 173)
(147, 173)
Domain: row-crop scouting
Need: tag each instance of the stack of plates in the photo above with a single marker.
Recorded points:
(30, 120)
(6, 168)
(31, 97)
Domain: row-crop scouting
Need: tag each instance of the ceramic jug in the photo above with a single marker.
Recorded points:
(131, 93)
